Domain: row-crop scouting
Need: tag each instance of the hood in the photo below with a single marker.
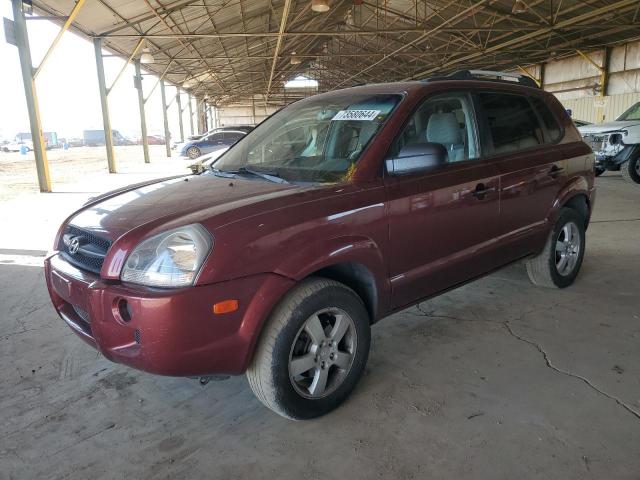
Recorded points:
(171, 199)
(607, 127)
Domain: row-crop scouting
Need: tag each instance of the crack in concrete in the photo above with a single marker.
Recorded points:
(544, 354)
(570, 374)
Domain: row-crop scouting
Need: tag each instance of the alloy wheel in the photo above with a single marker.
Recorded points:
(193, 152)
(322, 353)
(568, 244)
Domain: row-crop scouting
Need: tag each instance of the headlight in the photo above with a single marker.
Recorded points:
(170, 259)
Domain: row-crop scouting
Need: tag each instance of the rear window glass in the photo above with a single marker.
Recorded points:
(549, 120)
(513, 124)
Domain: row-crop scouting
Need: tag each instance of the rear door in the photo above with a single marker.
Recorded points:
(441, 221)
(231, 137)
(521, 134)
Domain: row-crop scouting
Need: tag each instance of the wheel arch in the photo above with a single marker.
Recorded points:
(580, 203)
(575, 195)
(358, 278)
(356, 262)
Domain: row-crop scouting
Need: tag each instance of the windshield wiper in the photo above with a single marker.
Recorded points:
(271, 176)
(221, 173)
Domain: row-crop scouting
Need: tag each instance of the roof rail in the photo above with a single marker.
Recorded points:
(488, 75)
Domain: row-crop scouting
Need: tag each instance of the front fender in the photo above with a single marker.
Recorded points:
(627, 153)
(330, 252)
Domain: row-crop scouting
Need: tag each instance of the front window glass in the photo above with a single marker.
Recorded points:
(632, 114)
(445, 119)
(316, 140)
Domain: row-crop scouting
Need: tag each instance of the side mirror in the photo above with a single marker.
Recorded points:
(417, 157)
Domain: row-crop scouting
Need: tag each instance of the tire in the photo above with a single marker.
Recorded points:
(287, 343)
(547, 269)
(193, 152)
(631, 170)
(599, 171)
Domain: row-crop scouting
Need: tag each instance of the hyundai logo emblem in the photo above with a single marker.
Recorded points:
(74, 245)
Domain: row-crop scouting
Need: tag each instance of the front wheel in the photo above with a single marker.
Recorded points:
(193, 152)
(312, 351)
(558, 264)
(631, 170)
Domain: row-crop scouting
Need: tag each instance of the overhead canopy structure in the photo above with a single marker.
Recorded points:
(235, 49)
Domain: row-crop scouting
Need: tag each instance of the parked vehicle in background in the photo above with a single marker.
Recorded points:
(210, 143)
(50, 139)
(334, 213)
(95, 138)
(241, 128)
(17, 146)
(75, 142)
(155, 140)
(617, 144)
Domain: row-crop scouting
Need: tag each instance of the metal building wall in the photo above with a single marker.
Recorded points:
(576, 83)
(584, 108)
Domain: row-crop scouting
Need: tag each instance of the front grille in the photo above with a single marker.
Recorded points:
(84, 249)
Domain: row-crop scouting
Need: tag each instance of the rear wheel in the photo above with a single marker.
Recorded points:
(631, 170)
(312, 351)
(193, 152)
(558, 264)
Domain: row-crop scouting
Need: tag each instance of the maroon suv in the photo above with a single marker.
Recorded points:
(332, 214)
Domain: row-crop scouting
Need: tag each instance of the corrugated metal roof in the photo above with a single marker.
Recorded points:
(228, 46)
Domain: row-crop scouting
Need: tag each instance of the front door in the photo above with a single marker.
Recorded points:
(442, 221)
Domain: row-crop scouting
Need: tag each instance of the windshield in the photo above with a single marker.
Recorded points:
(632, 114)
(316, 140)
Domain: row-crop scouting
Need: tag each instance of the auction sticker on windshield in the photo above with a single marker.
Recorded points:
(363, 115)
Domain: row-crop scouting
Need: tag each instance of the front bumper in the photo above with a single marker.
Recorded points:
(167, 332)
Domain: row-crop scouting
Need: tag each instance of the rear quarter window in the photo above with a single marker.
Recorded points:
(549, 120)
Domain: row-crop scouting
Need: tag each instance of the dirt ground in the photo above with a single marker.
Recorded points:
(495, 380)
(70, 168)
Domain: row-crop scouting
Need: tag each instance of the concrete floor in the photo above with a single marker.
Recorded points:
(496, 380)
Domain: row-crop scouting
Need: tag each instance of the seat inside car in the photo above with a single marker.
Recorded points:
(443, 128)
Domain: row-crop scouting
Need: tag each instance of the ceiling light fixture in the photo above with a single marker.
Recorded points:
(320, 6)
(146, 56)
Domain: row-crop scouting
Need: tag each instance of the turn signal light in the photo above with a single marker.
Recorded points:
(226, 306)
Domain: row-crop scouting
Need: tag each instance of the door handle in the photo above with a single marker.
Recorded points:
(555, 171)
(481, 190)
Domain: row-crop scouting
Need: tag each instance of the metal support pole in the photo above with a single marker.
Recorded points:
(106, 120)
(179, 103)
(39, 151)
(200, 115)
(167, 134)
(191, 115)
(143, 119)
